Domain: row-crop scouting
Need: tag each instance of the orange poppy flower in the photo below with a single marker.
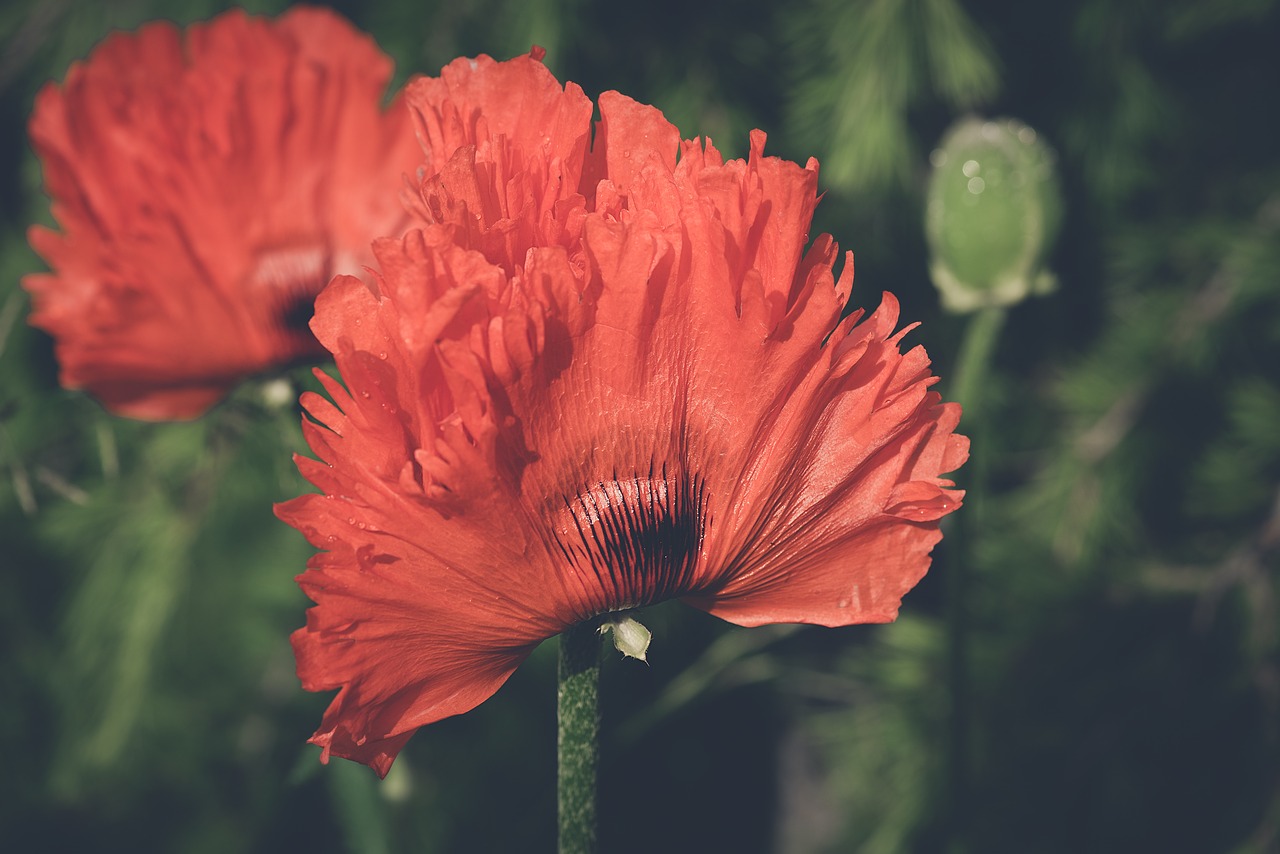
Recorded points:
(595, 379)
(208, 184)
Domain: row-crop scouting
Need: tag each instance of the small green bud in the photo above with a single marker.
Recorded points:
(993, 212)
(629, 636)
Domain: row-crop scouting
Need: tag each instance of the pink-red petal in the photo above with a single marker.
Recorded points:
(207, 184)
(573, 399)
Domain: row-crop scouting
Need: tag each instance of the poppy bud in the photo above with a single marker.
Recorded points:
(993, 212)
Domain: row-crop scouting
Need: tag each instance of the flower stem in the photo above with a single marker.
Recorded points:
(578, 708)
(975, 357)
(972, 368)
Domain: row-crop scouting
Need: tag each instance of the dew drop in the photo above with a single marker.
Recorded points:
(382, 354)
(365, 395)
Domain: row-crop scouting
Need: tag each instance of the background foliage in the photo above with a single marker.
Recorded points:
(1120, 687)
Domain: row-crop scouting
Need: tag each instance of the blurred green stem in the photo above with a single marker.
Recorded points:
(972, 368)
(578, 707)
(974, 360)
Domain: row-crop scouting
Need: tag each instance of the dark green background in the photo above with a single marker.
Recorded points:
(1122, 620)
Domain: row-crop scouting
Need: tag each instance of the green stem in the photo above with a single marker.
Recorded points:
(578, 707)
(972, 367)
(975, 358)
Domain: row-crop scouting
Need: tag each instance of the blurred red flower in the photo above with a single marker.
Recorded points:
(593, 380)
(208, 183)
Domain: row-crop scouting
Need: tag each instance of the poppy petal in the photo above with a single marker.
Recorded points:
(561, 404)
(207, 184)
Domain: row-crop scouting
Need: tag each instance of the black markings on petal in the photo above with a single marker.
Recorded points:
(295, 314)
(288, 279)
(639, 535)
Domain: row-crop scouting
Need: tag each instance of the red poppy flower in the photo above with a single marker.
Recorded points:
(594, 380)
(208, 184)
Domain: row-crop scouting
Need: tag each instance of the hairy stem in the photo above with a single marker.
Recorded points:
(578, 708)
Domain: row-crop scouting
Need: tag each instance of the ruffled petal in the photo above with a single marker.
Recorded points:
(504, 145)
(207, 184)
(655, 398)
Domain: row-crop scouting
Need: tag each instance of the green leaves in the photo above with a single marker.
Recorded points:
(867, 65)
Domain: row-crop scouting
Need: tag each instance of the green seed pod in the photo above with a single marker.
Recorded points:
(993, 211)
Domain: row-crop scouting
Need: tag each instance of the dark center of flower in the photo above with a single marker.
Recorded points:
(639, 536)
(287, 280)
